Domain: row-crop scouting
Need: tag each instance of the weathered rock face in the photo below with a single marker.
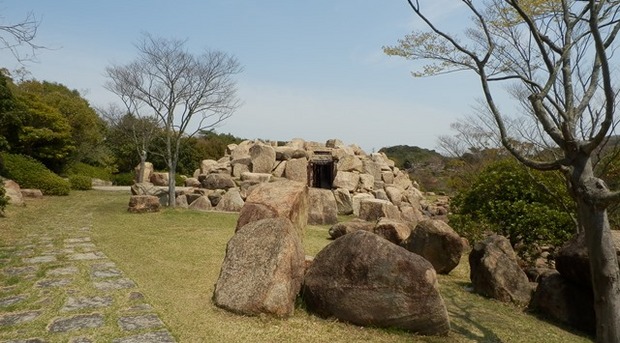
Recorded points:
(159, 179)
(13, 191)
(364, 279)
(218, 181)
(296, 169)
(322, 208)
(350, 163)
(263, 158)
(31, 193)
(495, 273)
(374, 209)
(146, 188)
(341, 229)
(566, 302)
(394, 231)
(191, 182)
(255, 177)
(572, 259)
(286, 199)
(357, 202)
(344, 202)
(231, 201)
(346, 180)
(202, 203)
(143, 204)
(437, 242)
(263, 269)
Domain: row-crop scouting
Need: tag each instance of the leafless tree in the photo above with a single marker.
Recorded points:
(560, 56)
(187, 93)
(20, 34)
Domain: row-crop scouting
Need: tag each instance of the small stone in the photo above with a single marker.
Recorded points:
(70, 270)
(86, 302)
(140, 322)
(18, 318)
(153, 337)
(136, 296)
(97, 255)
(40, 259)
(49, 283)
(83, 321)
(13, 271)
(4, 302)
(108, 285)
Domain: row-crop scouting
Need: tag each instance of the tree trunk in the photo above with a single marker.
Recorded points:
(601, 250)
(142, 167)
(605, 272)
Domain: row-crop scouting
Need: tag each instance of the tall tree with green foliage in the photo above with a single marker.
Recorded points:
(187, 93)
(556, 57)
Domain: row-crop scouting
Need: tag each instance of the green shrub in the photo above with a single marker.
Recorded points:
(530, 208)
(30, 173)
(123, 179)
(80, 182)
(84, 169)
(4, 200)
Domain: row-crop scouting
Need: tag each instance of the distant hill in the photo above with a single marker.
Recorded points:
(406, 156)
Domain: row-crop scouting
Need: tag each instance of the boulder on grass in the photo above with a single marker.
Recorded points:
(322, 207)
(394, 231)
(566, 302)
(437, 242)
(344, 228)
(495, 273)
(159, 179)
(363, 279)
(202, 203)
(231, 201)
(375, 209)
(13, 191)
(143, 204)
(286, 199)
(263, 269)
(31, 193)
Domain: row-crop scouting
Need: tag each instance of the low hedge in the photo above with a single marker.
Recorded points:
(84, 169)
(30, 173)
(80, 182)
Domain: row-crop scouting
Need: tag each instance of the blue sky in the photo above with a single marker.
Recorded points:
(312, 69)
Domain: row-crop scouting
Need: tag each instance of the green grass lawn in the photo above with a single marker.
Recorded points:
(174, 256)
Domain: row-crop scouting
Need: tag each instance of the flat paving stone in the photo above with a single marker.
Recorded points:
(79, 322)
(103, 265)
(81, 340)
(13, 271)
(78, 303)
(162, 336)
(18, 318)
(109, 285)
(40, 259)
(140, 307)
(80, 245)
(77, 240)
(146, 321)
(51, 283)
(69, 270)
(4, 302)
(97, 255)
(106, 273)
(28, 340)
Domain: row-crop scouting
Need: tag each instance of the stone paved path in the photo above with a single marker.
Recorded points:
(63, 289)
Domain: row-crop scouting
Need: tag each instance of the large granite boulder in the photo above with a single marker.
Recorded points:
(375, 209)
(366, 280)
(394, 231)
(437, 242)
(13, 192)
(231, 201)
(350, 163)
(356, 201)
(495, 273)
(346, 180)
(286, 199)
(344, 201)
(263, 158)
(344, 228)
(297, 170)
(202, 203)
(146, 173)
(146, 188)
(322, 208)
(572, 259)
(263, 269)
(562, 300)
(217, 181)
(160, 179)
(143, 204)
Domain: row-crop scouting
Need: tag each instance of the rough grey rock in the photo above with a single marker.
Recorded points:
(78, 322)
(322, 207)
(437, 242)
(356, 224)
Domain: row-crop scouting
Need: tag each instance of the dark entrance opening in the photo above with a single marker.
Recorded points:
(321, 174)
